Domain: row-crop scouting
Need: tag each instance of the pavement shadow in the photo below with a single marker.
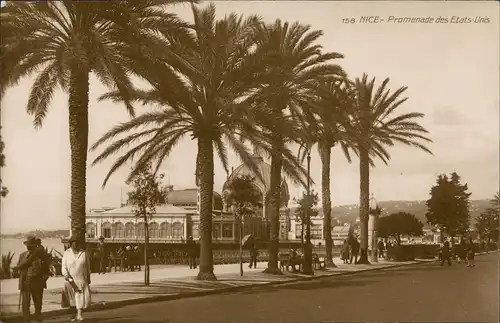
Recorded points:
(119, 319)
(359, 279)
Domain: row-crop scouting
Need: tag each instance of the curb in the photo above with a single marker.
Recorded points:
(231, 289)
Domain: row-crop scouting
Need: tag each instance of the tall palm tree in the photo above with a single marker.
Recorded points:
(201, 98)
(330, 127)
(292, 62)
(373, 117)
(62, 42)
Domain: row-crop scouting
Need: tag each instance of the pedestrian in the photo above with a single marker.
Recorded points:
(45, 257)
(254, 252)
(32, 279)
(481, 246)
(103, 256)
(445, 252)
(129, 258)
(381, 248)
(191, 251)
(76, 272)
(354, 250)
(461, 251)
(471, 250)
(345, 251)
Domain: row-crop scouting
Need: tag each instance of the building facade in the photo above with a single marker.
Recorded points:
(179, 218)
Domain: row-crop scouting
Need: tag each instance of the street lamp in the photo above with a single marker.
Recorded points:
(308, 270)
(375, 212)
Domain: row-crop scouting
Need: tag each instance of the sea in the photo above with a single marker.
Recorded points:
(16, 245)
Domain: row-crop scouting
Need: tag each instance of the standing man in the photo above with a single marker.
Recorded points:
(446, 252)
(31, 279)
(45, 261)
(103, 256)
(381, 248)
(192, 252)
(354, 250)
(254, 252)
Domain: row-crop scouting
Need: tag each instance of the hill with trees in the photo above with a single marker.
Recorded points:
(349, 213)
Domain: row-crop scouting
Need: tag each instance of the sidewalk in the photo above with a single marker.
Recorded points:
(118, 289)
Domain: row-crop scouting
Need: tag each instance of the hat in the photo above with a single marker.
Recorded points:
(30, 241)
(38, 240)
(101, 238)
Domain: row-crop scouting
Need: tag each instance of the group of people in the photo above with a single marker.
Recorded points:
(34, 271)
(350, 251)
(465, 252)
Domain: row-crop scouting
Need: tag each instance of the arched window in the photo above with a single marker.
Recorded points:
(118, 230)
(129, 230)
(177, 230)
(154, 230)
(106, 230)
(90, 230)
(195, 231)
(140, 230)
(165, 230)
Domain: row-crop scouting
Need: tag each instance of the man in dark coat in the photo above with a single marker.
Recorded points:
(381, 248)
(45, 260)
(192, 252)
(445, 252)
(103, 256)
(354, 250)
(254, 252)
(32, 278)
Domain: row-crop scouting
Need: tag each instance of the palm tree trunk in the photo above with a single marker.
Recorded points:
(325, 155)
(364, 202)
(274, 212)
(206, 181)
(78, 140)
(146, 260)
(241, 247)
(302, 237)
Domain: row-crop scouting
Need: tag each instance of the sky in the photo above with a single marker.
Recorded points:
(452, 74)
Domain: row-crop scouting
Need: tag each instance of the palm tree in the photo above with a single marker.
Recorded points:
(377, 126)
(62, 42)
(203, 102)
(292, 62)
(331, 127)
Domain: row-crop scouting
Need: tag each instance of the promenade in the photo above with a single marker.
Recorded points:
(413, 293)
(168, 282)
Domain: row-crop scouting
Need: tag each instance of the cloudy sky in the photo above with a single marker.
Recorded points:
(451, 71)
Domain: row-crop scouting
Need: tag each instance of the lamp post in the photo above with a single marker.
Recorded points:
(308, 270)
(375, 212)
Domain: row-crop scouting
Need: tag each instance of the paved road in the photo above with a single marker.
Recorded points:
(425, 292)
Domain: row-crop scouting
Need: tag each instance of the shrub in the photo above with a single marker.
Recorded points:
(5, 272)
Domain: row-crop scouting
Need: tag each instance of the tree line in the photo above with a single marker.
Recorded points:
(448, 211)
(235, 83)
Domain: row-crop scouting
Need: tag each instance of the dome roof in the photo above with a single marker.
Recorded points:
(264, 184)
(189, 197)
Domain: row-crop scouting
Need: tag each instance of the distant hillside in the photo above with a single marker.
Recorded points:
(349, 213)
(39, 234)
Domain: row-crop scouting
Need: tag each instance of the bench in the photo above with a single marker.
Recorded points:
(318, 263)
(286, 262)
